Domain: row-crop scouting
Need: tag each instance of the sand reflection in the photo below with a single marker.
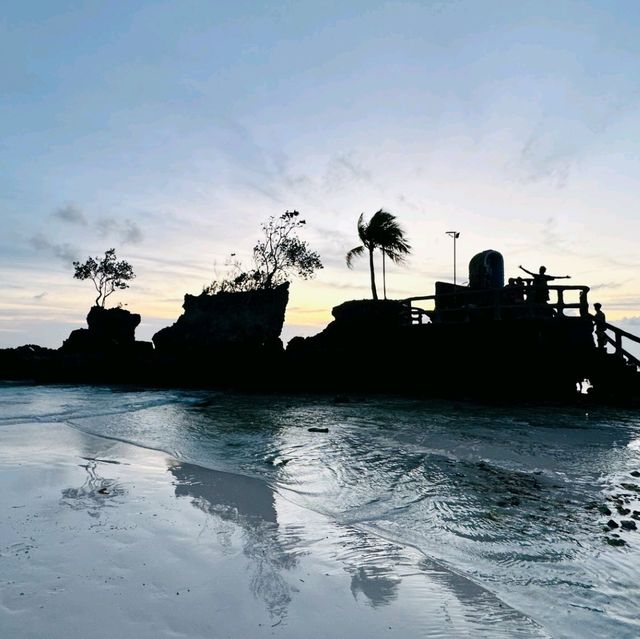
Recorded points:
(248, 503)
(96, 492)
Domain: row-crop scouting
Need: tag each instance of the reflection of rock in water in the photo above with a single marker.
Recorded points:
(231, 497)
(95, 493)
(248, 503)
(377, 583)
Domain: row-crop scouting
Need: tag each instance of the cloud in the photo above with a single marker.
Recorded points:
(546, 156)
(126, 230)
(70, 214)
(344, 170)
(130, 233)
(607, 285)
(624, 302)
(40, 296)
(65, 252)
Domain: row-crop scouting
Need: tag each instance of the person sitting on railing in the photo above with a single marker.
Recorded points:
(540, 284)
(600, 321)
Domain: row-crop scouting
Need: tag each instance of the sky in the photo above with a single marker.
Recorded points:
(170, 130)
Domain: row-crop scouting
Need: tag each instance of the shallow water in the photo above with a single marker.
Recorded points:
(508, 500)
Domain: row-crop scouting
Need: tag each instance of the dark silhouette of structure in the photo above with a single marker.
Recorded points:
(485, 340)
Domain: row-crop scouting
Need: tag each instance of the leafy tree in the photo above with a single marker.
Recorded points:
(381, 232)
(107, 274)
(280, 255)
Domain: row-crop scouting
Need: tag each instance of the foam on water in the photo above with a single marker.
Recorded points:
(512, 498)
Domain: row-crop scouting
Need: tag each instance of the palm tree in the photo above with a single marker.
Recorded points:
(384, 233)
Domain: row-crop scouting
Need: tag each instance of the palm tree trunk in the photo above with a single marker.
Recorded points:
(374, 292)
(384, 275)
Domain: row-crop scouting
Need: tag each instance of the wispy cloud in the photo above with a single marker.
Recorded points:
(40, 296)
(71, 214)
(127, 231)
(63, 251)
(545, 157)
(634, 320)
(343, 170)
(607, 285)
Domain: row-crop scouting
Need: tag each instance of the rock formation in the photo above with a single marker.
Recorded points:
(108, 329)
(213, 323)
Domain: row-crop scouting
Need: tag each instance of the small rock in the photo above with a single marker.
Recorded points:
(604, 511)
(612, 524)
(623, 511)
(635, 473)
(628, 524)
(615, 542)
(636, 514)
(104, 491)
(633, 487)
(316, 429)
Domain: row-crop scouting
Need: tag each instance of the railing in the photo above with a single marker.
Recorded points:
(466, 304)
(616, 341)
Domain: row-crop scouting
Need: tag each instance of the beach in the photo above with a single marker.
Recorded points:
(107, 539)
(108, 535)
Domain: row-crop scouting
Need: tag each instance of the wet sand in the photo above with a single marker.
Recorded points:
(105, 539)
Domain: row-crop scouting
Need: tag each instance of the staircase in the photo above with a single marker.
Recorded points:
(616, 375)
(616, 341)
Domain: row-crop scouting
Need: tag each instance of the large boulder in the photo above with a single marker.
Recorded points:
(108, 328)
(377, 313)
(115, 325)
(223, 321)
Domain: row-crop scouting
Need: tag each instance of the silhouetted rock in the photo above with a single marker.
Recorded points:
(374, 313)
(21, 362)
(211, 323)
(108, 328)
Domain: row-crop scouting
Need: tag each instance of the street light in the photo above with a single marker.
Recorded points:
(455, 235)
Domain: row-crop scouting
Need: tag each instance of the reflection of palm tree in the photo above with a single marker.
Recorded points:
(384, 233)
(250, 504)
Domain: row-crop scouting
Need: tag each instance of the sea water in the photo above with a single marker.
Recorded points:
(514, 500)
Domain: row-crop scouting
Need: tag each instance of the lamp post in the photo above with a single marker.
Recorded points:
(455, 235)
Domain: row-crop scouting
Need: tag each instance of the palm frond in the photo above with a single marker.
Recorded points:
(354, 252)
(386, 234)
(363, 229)
(397, 257)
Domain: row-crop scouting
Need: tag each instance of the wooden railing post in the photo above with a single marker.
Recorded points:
(560, 301)
(584, 304)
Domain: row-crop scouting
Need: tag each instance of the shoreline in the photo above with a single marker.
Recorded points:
(127, 541)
